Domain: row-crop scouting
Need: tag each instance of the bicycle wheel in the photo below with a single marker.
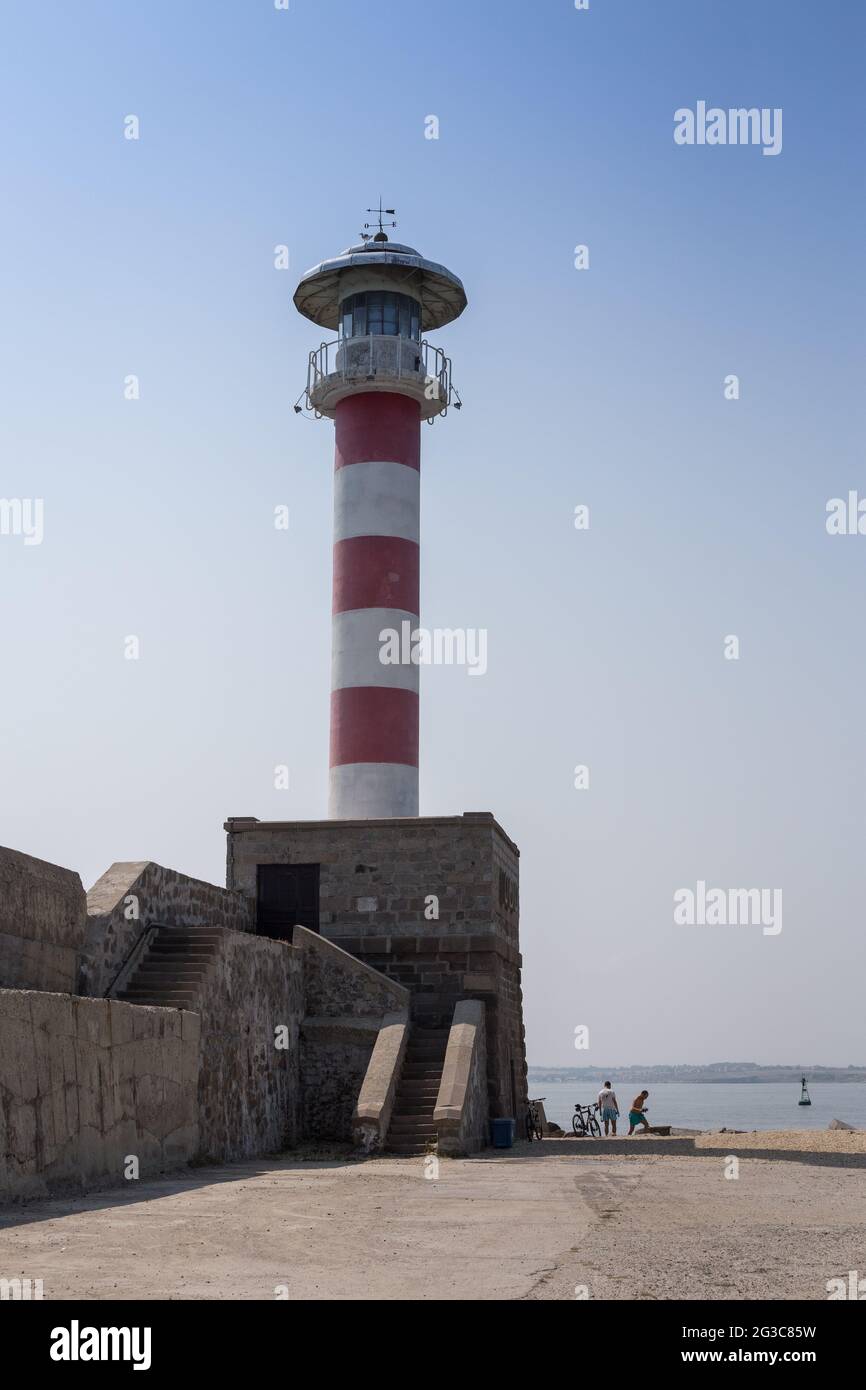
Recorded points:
(539, 1133)
(595, 1128)
(578, 1125)
(530, 1127)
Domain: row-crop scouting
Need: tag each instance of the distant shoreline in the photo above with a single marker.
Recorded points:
(712, 1075)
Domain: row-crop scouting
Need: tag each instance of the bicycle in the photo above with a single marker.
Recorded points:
(584, 1123)
(533, 1120)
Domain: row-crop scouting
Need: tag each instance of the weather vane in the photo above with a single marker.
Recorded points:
(381, 235)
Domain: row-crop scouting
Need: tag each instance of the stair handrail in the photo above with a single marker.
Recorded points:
(136, 945)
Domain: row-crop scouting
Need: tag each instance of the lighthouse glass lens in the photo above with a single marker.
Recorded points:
(390, 314)
(380, 311)
(374, 311)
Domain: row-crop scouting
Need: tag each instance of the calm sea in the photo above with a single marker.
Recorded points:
(717, 1105)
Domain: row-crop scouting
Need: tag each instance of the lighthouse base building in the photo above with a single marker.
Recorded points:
(432, 902)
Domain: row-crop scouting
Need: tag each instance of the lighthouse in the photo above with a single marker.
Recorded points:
(378, 380)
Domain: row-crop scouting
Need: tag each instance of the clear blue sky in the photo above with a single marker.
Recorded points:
(602, 387)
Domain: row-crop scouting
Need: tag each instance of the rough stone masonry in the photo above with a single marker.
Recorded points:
(432, 902)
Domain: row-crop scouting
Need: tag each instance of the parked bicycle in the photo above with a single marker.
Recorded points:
(584, 1123)
(534, 1129)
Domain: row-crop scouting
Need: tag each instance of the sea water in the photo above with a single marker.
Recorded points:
(716, 1105)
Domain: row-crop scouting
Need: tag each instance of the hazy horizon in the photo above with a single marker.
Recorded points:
(621, 1066)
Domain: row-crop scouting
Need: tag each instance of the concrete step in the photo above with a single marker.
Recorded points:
(181, 932)
(188, 1004)
(202, 963)
(138, 991)
(187, 935)
(410, 1124)
(161, 992)
(190, 987)
(202, 943)
(171, 962)
(181, 966)
(169, 977)
(191, 948)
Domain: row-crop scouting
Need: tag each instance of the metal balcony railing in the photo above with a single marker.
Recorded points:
(375, 356)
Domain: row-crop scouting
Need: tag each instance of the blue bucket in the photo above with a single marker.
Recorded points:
(503, 1133)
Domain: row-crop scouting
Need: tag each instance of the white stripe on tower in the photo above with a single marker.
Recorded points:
(374, 707)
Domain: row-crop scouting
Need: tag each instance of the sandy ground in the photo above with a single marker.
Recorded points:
(537, 1222)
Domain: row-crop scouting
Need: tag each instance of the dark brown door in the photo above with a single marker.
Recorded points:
(287, 895)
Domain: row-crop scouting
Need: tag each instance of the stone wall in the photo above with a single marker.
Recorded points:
(249, 1087)
(43, 918)
(335, 1056)
(87, 1083)
(130, 896)
(347, 1004)
(432, 902)
(337, 984)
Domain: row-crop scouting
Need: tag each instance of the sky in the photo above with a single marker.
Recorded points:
(601, 387)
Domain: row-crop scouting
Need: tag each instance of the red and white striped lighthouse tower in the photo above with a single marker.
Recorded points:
(378, 381)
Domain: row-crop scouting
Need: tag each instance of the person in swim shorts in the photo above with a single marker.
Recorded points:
(637, 1113)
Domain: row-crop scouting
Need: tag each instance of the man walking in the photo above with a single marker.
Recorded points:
(637, 1113)
(608, 1106)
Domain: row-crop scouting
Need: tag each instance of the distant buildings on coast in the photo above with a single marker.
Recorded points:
(714, 1071)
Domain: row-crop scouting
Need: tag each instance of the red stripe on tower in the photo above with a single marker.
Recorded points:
(378, 426)
(375, 572)
(370, 725)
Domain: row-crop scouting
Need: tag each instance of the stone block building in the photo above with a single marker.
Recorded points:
(431, 902)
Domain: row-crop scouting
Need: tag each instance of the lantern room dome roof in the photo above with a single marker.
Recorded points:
(438, 289)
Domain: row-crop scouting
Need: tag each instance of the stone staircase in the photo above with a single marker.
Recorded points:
(412, 1130)
(173, 969)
